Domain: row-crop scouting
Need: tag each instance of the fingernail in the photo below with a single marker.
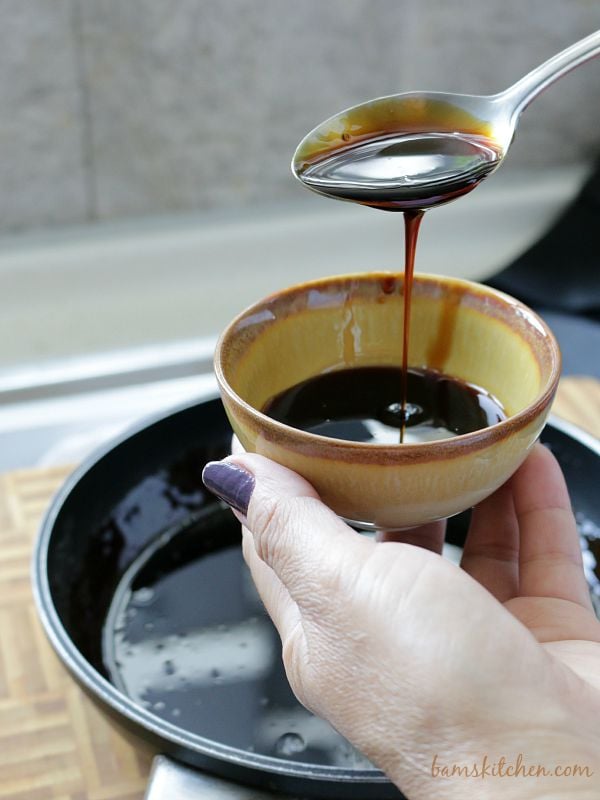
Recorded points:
(229, 482)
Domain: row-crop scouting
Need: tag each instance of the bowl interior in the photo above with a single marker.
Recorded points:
(463, 329)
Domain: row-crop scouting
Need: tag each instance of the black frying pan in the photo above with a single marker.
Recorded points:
(142, 590)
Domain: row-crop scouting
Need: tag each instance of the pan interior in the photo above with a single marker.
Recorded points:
(138, 533)
(187, 637)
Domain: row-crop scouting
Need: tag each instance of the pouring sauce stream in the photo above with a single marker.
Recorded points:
(400, 157)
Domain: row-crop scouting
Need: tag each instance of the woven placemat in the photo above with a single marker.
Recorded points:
(54, 743)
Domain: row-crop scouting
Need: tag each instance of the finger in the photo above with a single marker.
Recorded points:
(305, 544)
(550, 562)
(276, 599)
(491, 552)
(429, 536)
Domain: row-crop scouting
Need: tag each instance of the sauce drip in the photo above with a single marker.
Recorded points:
(412, 222)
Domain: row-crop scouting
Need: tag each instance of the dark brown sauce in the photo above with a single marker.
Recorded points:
(408, 156)
(361, 404)
(412, 222)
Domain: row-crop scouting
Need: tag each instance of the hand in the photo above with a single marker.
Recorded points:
(414, 659)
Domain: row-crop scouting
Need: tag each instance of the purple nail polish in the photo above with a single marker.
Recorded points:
(229, 482)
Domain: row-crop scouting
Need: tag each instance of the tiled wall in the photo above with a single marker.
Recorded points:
(117, 108)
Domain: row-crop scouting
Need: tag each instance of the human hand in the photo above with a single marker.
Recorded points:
(414, 659)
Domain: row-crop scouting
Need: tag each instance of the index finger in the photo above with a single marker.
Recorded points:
(550, 562)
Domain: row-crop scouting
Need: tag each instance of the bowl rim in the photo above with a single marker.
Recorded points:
(431, 450)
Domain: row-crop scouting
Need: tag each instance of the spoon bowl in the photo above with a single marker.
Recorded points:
(416, 150)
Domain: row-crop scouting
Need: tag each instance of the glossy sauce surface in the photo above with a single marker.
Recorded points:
(398, 153)
(362, 405)
(403, 172)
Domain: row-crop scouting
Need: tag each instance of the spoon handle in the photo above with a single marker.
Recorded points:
(518, 96)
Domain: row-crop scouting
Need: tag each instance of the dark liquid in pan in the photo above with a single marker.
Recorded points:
(188, 638)
(361, 405)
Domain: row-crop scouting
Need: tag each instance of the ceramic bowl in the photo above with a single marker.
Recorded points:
(461, 328)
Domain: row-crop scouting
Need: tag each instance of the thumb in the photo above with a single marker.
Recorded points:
(293, 533)
(300, 555)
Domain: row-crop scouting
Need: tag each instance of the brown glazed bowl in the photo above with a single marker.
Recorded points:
(461, 328)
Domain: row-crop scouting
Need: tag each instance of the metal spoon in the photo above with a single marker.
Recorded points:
(420, 149)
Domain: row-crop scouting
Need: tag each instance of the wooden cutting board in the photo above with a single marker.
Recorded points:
(54, 743)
